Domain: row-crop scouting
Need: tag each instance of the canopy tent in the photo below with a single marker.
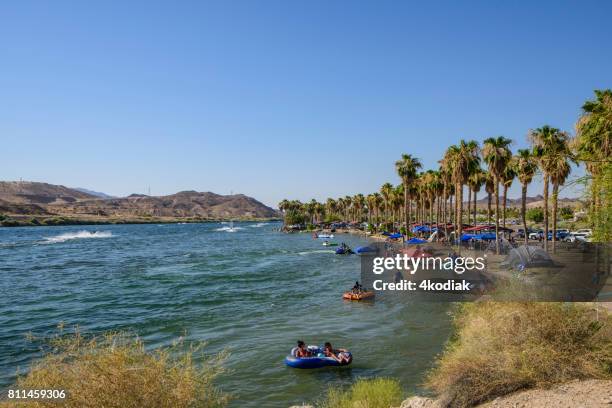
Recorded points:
(488, 236)
(416, 241)
(527, 256)
(395, 236)
(479, 228)
(421, 228)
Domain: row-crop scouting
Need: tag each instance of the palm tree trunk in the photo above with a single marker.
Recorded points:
(546, 178)
(496, 193)
(431, 212)
(504, 207)
(554, 214)
(475, 197)
(459, 216)
(523, 211)
(469, 213)
(451, 214)
(488, 208)
(406, 213)
(444, 210)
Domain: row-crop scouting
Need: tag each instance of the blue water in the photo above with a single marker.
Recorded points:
(254, 291)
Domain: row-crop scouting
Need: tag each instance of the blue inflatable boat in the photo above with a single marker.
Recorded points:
(365, 250)
(318, 360)
(344, 251)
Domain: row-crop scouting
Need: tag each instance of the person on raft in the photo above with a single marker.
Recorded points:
(337, 355)
(357, 288)
(302, 351)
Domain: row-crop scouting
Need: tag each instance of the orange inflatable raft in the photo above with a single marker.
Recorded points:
(358, 296)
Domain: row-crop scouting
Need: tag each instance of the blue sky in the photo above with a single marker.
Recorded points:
(279, 99)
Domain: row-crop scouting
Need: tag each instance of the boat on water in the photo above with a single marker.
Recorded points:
(327, 243)
(358, 296)
(316, 360)
(366, 250)
(344, 250)
(231, 227)
(324, 236)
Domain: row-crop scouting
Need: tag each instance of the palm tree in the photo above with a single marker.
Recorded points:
(490, 188)
(559, 171)
(475, 180)
(283, 206)
(525, 167)
(463, 159)
(386, 191)
(331, 206)
(407, 168)
(593, 145)
(547, 142)
(497, 155)
(359, 203)
(378, 201)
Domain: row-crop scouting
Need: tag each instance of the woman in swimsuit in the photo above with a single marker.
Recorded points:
(336, 354)
(301, 351)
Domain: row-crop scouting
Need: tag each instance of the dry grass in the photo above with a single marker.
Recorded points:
(364, 393)
(115, 371)
(503, 347)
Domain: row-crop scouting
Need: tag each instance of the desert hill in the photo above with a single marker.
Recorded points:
(32, 198)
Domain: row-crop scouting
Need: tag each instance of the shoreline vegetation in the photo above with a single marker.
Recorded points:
(115, 370)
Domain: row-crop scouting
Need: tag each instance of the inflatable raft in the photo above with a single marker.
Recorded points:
(318, 360)
(358, 296)
(344, 251)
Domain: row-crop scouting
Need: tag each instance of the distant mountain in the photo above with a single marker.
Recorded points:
(29, 192)
(182, 204)
(93, 193)
(41, 198)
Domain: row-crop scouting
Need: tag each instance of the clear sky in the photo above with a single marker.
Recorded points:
(281, 99)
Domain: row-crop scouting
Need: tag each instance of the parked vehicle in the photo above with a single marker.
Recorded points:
(583, 231)
(536, 234)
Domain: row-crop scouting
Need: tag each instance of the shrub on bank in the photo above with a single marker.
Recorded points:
(499, 348)
(365, 393)
(115, 371)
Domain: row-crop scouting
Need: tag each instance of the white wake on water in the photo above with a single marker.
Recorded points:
(259, 225)
(229, 229)
(78, 235)
(317, 251)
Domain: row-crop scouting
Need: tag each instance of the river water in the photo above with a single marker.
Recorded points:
(254, 291)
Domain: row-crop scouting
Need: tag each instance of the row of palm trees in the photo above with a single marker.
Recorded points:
(438, 195)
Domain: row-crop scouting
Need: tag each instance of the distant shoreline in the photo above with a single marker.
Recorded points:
(59, 220)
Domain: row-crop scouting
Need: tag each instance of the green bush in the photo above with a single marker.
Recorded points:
(8, 222)
(500, 347)
(365, 393)
(535, 215)
(293, 217)
(566, 213)
(115, 371)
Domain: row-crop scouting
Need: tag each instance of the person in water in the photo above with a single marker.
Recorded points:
(337, 355)
(302, 351)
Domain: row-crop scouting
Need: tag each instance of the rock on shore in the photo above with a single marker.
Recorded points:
(584, 394)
